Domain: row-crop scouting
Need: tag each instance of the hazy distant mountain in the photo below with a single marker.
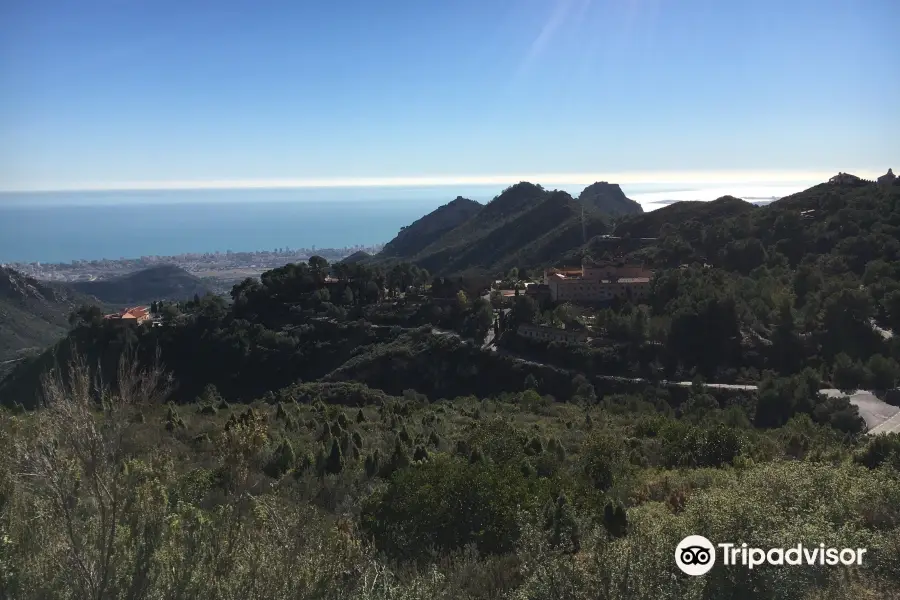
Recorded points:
(33, 314)
(424, 231)
(165, 282)
(356, 257)
(608, 198)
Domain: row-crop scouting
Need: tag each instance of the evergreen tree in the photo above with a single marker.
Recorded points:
(371, 464)
(615, 519)
(335, 462)
(283, 460)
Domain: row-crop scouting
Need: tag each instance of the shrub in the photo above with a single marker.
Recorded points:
(697, 446)
(447, 504)
(602, 460)
(882, 449)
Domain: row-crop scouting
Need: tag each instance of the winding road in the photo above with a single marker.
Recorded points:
(880, 417)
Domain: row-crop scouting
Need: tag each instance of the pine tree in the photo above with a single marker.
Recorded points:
(615, 519)
(371, 464)
(283, 460)
(335, 462)
(565, 533)
(404, 436)
(399, 459)
(360, 417)
(343, 422)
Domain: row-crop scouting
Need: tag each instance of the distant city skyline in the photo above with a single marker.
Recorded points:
(113, 94)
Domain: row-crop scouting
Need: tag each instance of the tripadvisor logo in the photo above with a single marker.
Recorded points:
(696, 555)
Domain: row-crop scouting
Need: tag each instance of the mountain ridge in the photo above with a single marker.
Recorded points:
(416, 236)
(524, 223)
(33, 313)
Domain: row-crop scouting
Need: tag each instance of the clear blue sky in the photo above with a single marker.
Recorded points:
(100, 91)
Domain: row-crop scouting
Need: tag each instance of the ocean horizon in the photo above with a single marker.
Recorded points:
(59, 227)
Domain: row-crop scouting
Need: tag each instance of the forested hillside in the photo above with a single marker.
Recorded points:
(33, 314)
(525, 225)
(418, 235)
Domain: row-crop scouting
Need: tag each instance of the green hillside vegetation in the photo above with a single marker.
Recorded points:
(525, 225)
(33, 314)
(349, 492)
(353, 439)
(418, 235)
(359, 256)
(165, 282)
(652, 224)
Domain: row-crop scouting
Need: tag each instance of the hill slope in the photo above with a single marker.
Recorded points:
(432, 226)
(165, 282)
(33, 314)
(356, 257)
(650, 224)
(608, 198)
(526, 224)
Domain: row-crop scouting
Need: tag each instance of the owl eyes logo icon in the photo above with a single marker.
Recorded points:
(695, 555)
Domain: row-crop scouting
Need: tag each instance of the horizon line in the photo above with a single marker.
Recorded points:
(724, 176)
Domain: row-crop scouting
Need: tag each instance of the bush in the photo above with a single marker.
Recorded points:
(447, 503)
(695, 446)
(882, 449)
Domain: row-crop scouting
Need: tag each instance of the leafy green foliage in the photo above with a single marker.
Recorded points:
(447, 503)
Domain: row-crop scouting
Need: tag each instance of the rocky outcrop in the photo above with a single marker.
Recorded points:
(608, 198)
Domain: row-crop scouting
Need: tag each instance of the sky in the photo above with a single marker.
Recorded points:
(147, 94)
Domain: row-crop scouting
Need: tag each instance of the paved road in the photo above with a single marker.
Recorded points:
(892, 425)
(879, 416)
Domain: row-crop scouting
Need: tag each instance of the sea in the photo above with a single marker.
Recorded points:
(59, 227)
